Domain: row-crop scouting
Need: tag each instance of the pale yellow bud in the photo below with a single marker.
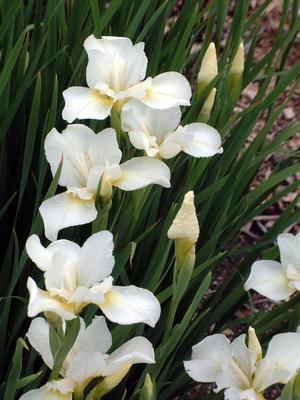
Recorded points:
(185, 224)
(209, 66)
(209, 102)
(148, 390)
(253, 343)
(109, 383)
(105, 186)
(238, 61)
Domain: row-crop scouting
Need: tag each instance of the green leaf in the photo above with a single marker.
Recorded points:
(71, 334)
(15, 372)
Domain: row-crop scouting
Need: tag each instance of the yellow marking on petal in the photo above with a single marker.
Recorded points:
(102, 98)
(74, 198)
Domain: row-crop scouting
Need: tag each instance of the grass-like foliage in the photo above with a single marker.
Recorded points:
(41, 55)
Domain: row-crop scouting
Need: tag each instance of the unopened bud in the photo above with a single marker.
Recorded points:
(148, 391)
(253, 343)
(109, 383)
(209, 66)
(105, 187)
(185, 225)
(238, 61)
(185, 231)
(207, 106)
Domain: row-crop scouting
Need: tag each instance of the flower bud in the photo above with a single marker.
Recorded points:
(236, 76)
(238, 61)
(207, 106)
(185, 232)
(209, 66)
(253, 343)
(185, 225)
(105, 187)
(148, 391)
(110, 382)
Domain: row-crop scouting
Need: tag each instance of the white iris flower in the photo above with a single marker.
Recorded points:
(77, 276)
(115, 73)
(159, 134)
(86, 157)
(240, 369)
(87, 359)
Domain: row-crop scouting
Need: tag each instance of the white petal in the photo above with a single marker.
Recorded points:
(40, 301)
(61, 279)
(206, 140)
(268, 278)
(96, 261)
(169, 89)
(96, 337)
(136, 351)
(136, 116)
(99, 68)
(71, 147)
(83, 296)
(208, 358)
(169, 150)
(238, 394)
(63, 386)
(281, 361)
(85, 103)
(140, 172)
(245, 360)
(289, 246)
(38, 336)
(104, 149)
(45, 394)
(66, 247)
(140, 141)
(95, 294)
(136, 91)
(65, 210)
(127, 62)
(86, 366)
(37, 253)
(130, 305)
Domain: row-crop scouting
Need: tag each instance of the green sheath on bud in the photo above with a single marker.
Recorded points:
(236, 75)
(207, 107)
(148, 391)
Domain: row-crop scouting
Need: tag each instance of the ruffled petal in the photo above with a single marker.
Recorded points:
(136, 116)
(86, 366)
(208, 358)
(140, 172)
(269, 279)
(130, 305)
(38, 336)
(127, 62)
(281, 361)
(169, 89)
(45, 393)
(136, 351)
(37, 253)
(95, 337)
(41, 301)
(206, 140)
(85, 103)
(71, 147)
(96, 260)
(104, 149)
(289, 246)
(65, 210)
